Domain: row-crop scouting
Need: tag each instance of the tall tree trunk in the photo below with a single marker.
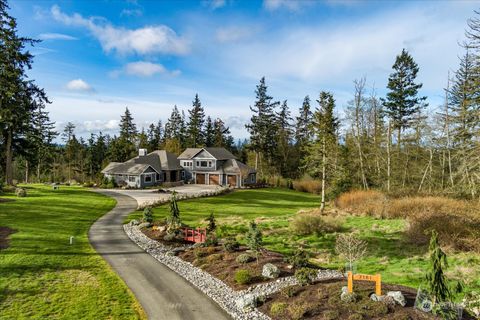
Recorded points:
(322, 204)
(9, 159)
(38, 172)
(389, 156)
(426, 171)
(26, 171)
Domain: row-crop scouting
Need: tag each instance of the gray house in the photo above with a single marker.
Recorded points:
(154, 168)
(215, 166)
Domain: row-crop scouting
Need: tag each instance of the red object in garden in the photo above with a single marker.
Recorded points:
(195, 235)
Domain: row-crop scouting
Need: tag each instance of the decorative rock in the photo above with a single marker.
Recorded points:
(246, 302)
(144, 225)
(270, 271)
(398, 297)
(374, 297)
(134, 222)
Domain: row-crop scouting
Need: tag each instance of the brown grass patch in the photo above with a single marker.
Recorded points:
(5, 232)
(307, 185)
(312, 223)
(362, 202)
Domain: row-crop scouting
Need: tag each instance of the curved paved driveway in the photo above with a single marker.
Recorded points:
(162, 293)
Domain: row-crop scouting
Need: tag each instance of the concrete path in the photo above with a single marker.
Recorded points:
(148, 196)
(162, 293)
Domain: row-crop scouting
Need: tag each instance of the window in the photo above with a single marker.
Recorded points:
(148, 178)
(158, 177)
(198, 163)
(183, 174)
(131, 179)
(210, 164)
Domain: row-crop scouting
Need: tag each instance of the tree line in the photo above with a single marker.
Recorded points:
(395, 143)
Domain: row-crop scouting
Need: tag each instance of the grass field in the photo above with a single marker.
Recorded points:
(399, 261)
(42, 276)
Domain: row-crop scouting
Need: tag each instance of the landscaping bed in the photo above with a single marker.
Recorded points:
(224, 265)
(321, 300)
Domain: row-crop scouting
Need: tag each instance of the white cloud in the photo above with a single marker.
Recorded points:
(232, 34)
(291, 5)
(215, 4)
(79, 85)
(146, 40)
(55, 36)
(143, 69)
(131, 13)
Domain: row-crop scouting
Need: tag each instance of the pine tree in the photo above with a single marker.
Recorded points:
(68, 131)
(209, 133)
(303, 122)
(154, 136)
(128, 129)
(174, 222)
(221, 135)
(262, 127)
(402, 101)
(195, 137)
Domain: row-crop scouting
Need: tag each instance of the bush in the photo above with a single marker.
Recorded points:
(306, 224)
(200, 252)
(243, 276)
(299, 259)
(147, 215)
(278, 308)
(331, 315)
(244, 258)
(297, 311)
(308, 185)
(214, 257)
(231, 245)
(362, 202)
(20, 192)
(288, 292)
(305, 276)
(211, 241)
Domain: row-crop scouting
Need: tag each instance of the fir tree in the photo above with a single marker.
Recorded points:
(128, 129)
(209, 133)
(212, 225)
(195, 137)
(437, 281)
(253, 238)
(402, 101)
(262, 126)
(284, 139)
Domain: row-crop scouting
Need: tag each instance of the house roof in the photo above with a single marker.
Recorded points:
(235, 166)
(217, 153)
(159, 160)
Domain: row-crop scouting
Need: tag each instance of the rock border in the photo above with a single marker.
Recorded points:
(217, 290)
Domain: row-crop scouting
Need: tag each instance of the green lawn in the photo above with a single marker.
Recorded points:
(389, 253)
(42, 276)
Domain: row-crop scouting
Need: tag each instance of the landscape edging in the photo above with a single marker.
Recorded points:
(214, 288)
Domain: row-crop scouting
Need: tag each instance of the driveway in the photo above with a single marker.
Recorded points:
(147, 196)
(162, 293)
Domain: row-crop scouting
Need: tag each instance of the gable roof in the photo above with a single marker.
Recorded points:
(235, 166)
(217, 153)
(158, 160)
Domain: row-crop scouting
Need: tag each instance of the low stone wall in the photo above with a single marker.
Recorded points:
(217, 290)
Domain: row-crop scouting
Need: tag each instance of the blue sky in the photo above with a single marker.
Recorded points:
(97, 57)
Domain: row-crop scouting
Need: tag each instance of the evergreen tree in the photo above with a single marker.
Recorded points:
(221, 135)
(128, 129)
(154, 136)
(402, 101)
(209, 133)
(437, 281)
(195, 136)
(68, 131)
(263, 127)
(322, 150)
(284, 140)
(143, 140)
(303, 134)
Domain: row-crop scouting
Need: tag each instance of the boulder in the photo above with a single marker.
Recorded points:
(398, 297)
(134, 222)
(348, 297)
(144, 225)
(270, 271)
(246, 302)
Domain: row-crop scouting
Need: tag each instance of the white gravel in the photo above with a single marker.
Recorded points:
(214, 288)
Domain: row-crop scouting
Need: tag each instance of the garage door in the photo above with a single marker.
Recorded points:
(214, 179)
(200, 178)
(232, 180)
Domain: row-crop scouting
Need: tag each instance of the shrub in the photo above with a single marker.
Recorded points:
(305, 276)
(20, 192)
(211, 241)
(148, 215)
(278, 308)
(243, 276)
(350, 247)
(254, 238)
(215, 257)
(331, 315)
(307, 185)
(306, 224)
(362, 202)
(244, 258)
(212, 225)
(200, 252)
(299, 259)
(288, 292)
(297, 311)
(231, 245)
(355, 316)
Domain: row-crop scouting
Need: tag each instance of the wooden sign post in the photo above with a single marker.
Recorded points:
(365, 277)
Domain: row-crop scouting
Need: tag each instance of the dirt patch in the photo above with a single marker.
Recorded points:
(223, 265)
(322, 301)
(4, 240)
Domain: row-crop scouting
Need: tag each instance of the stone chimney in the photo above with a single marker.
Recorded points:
(142, 152)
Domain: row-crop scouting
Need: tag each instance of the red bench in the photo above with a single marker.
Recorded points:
(198, 235)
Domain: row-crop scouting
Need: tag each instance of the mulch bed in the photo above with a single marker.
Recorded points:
(322, 301)
(223, 265)
(158, 235)
(4, 240)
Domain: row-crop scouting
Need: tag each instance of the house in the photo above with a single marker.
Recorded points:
(215, 166)
(154, 168)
